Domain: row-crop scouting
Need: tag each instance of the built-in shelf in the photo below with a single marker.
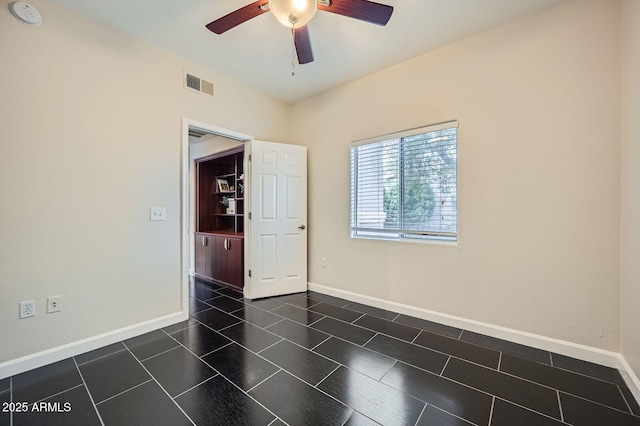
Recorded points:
(219, 237)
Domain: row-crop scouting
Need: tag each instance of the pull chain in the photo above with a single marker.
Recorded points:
(293, 51)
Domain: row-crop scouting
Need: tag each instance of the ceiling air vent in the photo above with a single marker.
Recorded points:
(199, 85)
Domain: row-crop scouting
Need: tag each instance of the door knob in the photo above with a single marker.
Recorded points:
(301, 227)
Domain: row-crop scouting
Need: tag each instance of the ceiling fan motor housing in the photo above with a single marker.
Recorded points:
(293, 13)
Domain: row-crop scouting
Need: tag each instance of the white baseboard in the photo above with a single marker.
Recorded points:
(574, 350)
(629, 377)
(29, 362)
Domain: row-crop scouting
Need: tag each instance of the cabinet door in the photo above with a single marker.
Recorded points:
(201, 254)
(220, 270)
(235, 265)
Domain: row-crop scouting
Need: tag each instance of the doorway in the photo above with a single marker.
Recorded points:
(199, 140)
(276, 197)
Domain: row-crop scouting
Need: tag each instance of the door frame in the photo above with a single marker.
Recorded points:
(187, 198)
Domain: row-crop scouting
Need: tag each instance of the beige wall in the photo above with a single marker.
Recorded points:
(91, 138)
(91, 123)
(630, 186)
(539, 108)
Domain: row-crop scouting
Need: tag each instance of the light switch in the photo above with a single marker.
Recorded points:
(158, 213)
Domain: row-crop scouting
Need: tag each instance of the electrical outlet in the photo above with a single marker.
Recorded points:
(54, 304)
(323, 262)
(27, 309)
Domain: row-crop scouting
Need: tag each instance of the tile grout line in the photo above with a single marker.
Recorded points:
(421, 414)
(195, 386)
(372, 337)
(598, 403)
(325, 377)
(61, 392)
(331, 396)
(93, 402)
(264, 380)
(581, 374)
(208, 353)
(470, 387)
(315, 304)
(444, 366)
(437, 351)
(500, 361)
(395, 361)
(473, 363)
(163, 389)
(493, 403)
(376, 331)
(332, 360)
(454, 415)
(270, 346)
(159, 353)
(270, 325)
(99, 358)
(624, 398)
(124, 391)
(512, 375)
(462, 331)
(215, 350)
(315, 353)
(313, 348)
(560, 406)
(459, 337)
(353, 322)
(276, 419)
(416, 338)
(450, 356)
(313, 322)
(550, 387)
(229, 326)
(348, 418)
(247, 394)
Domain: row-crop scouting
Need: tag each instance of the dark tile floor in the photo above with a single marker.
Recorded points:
(314, 359)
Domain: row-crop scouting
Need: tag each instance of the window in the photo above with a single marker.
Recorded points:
(404, 185)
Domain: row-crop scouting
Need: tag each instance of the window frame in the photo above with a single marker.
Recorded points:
(401, 234)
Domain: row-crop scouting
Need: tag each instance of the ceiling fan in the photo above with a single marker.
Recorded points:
(295, 14)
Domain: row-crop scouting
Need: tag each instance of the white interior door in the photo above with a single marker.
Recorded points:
(278, 220)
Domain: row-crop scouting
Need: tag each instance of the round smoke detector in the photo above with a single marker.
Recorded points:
(26, 13)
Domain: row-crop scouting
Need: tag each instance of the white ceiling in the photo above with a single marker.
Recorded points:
(259, 51)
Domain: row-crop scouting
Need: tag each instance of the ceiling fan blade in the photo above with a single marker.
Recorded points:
(363, 10)
(237, 17)
(303, 45)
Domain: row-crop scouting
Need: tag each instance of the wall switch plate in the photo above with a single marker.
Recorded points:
(54, 304)
(158, 213)
(27, 309)
(323, 262)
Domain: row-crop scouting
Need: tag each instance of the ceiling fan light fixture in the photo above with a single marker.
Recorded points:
(293, 13)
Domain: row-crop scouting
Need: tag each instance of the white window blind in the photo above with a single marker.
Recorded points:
(404, 185)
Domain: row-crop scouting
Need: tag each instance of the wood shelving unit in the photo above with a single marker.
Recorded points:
(220, 218)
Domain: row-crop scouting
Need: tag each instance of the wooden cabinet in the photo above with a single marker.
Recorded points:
(220, 258)
(204, 254)
(228, 253)
(219, 237)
